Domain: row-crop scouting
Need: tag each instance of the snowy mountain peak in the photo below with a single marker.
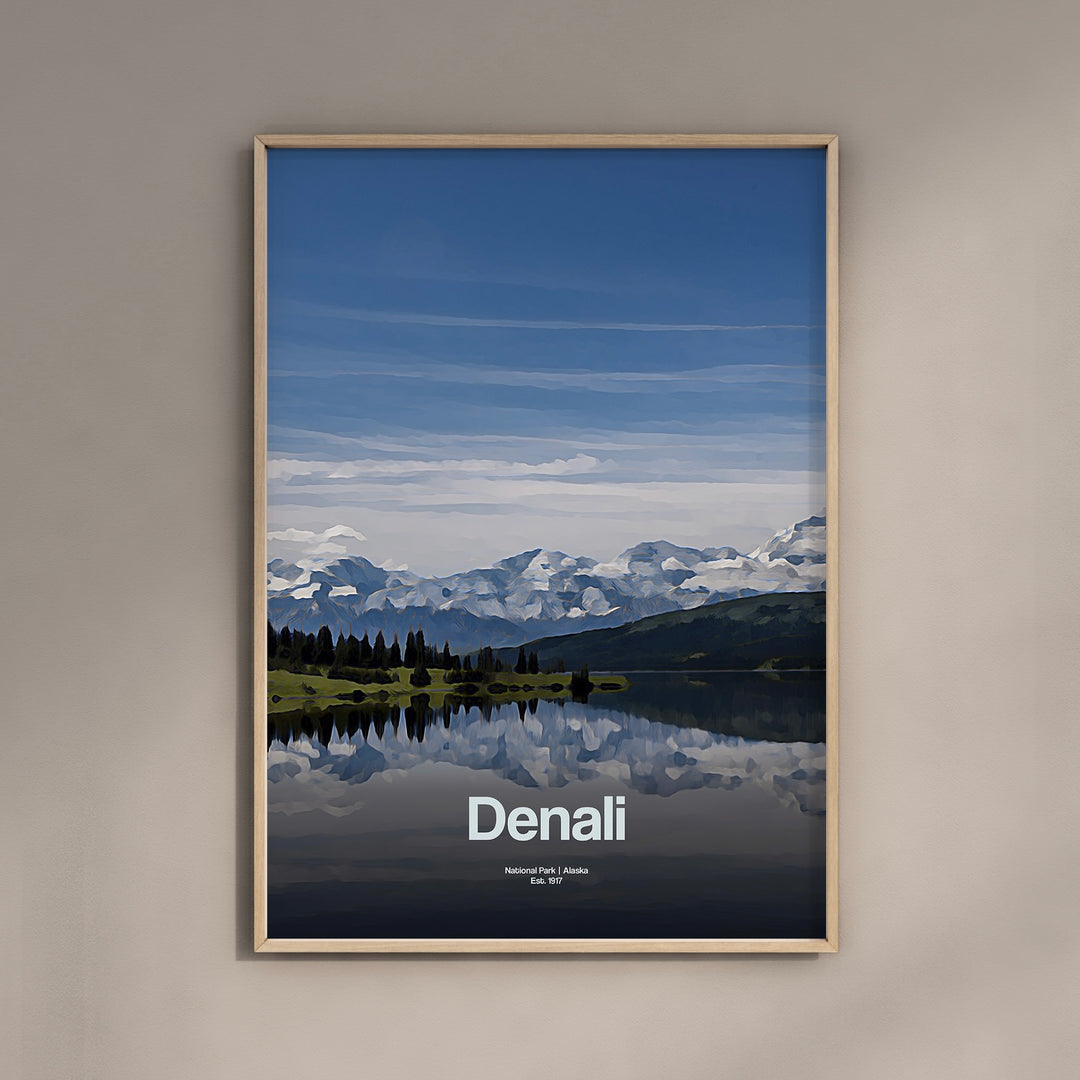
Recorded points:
(803, 542)
(540, 592)
(656, 551)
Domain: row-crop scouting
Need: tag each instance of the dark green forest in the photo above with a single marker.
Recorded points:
(364, 661)
(777, 631)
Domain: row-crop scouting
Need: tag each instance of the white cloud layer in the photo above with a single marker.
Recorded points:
(307, 548)
(452, 522)
(369, 468)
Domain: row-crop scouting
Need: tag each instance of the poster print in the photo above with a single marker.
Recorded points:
(545, 453)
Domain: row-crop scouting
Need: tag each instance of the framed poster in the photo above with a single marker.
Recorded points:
(545, 551)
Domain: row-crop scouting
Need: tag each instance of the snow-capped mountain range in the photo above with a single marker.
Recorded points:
(539, 592)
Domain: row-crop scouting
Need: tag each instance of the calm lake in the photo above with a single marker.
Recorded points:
(722, 776)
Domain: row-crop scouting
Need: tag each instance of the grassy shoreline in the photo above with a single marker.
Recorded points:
(289, 688)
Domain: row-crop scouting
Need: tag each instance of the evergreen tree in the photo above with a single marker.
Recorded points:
(421, 648)
(284, 642)
(271, 641)
(307, 650)
(522, 665)
(410, 650)
(447, 659)
(378, 652)
(395, 653)
(366, 653)
(466, 664)
(296, 650)
(324, 646)
(534, 664)
(579, 681)
(352, 651)
(340, 651)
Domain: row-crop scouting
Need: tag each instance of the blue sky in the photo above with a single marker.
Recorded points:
(477, 352)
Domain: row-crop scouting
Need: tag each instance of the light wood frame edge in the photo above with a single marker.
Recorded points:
(258, 560)
(430, 946)
(832, 543)
(830, 943)
(566, 140)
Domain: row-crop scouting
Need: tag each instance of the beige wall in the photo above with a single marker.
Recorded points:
(124, 245)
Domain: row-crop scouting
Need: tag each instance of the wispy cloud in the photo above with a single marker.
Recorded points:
(506, 278)
(296, 544)
(284, 469)
(780, 434)
(306, 536)
(423, 318)
(650, 382)
(503, 491)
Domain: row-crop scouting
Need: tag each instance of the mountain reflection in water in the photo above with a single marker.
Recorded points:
(725, 831)
(547, 744)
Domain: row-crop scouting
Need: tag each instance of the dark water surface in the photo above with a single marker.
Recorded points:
(722, 776)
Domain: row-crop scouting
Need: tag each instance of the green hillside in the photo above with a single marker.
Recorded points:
(779, 630)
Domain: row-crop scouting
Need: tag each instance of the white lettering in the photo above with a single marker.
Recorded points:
(546, 814)
(475, 802)
(521, 823)
(587, 823)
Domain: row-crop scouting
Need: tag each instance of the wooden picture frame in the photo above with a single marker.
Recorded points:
(299, 596)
